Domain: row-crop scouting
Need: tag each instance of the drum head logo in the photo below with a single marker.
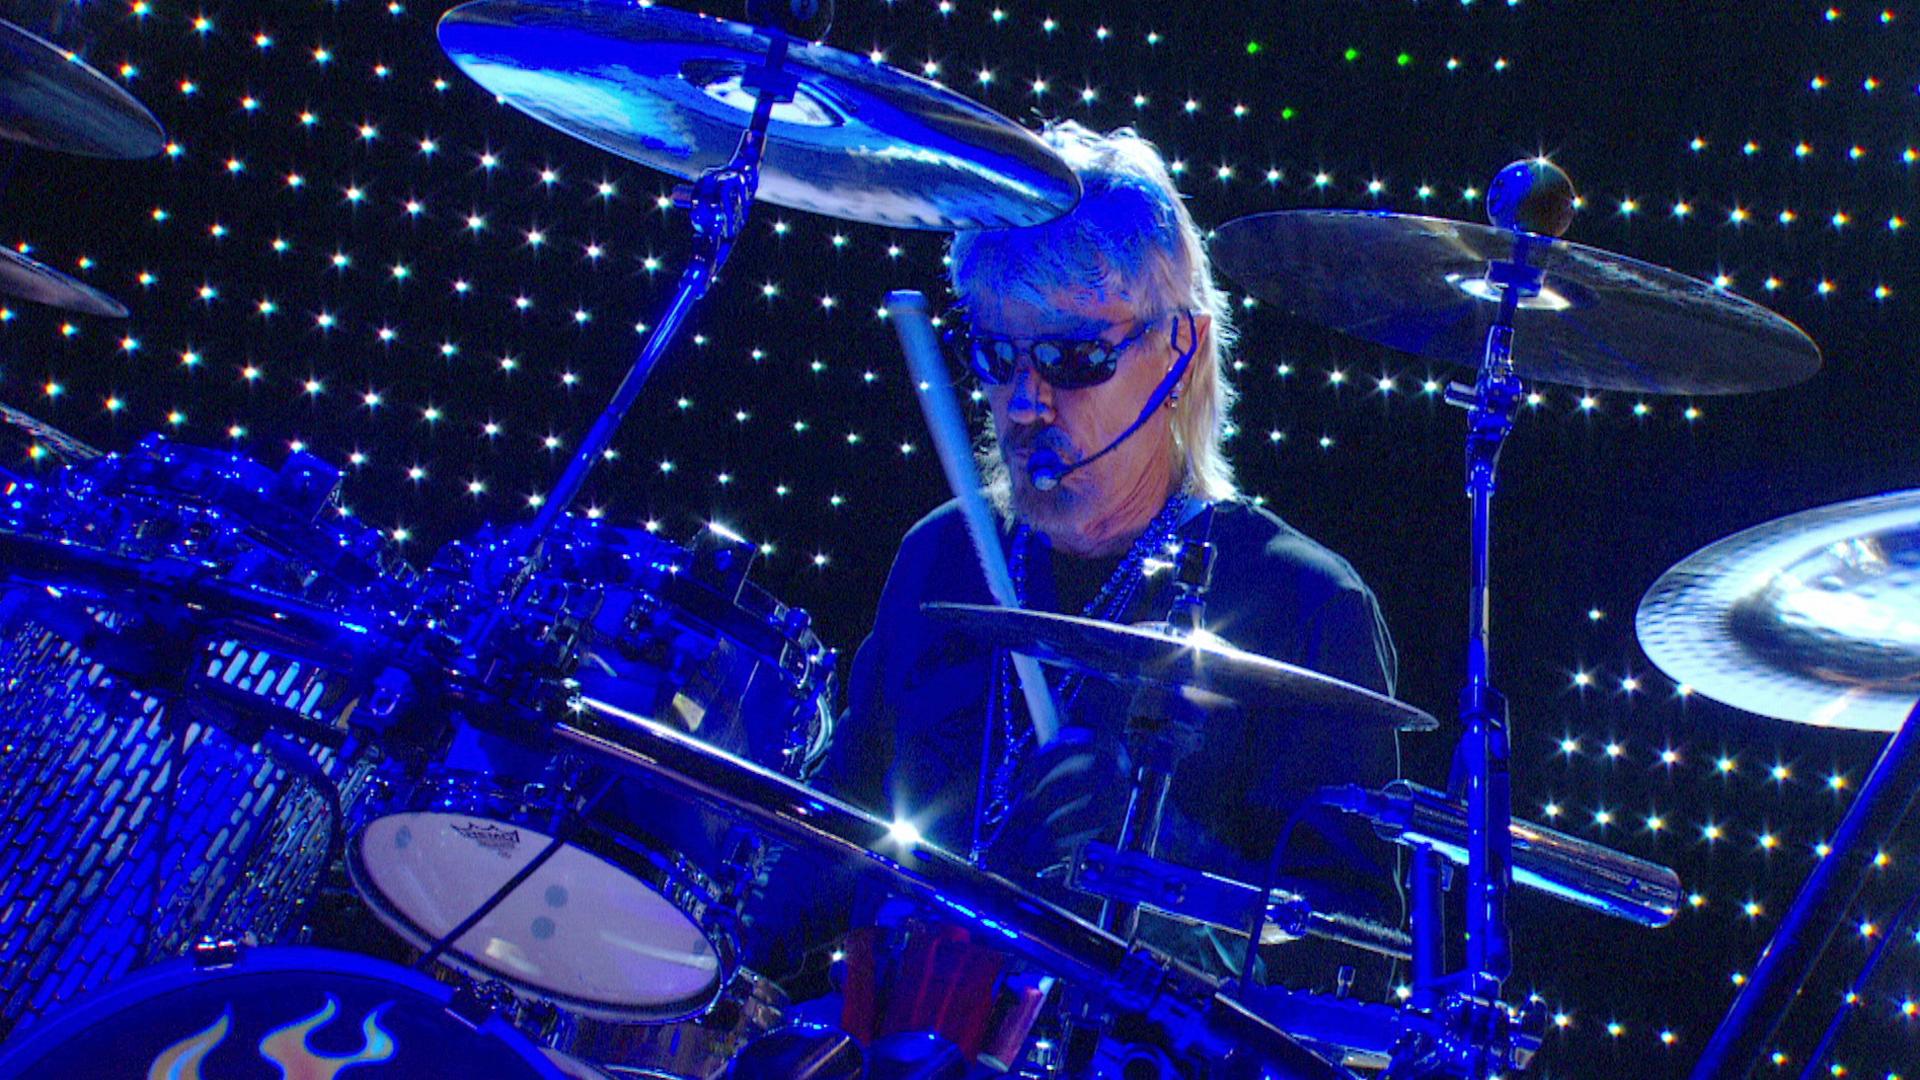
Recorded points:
(500, 841)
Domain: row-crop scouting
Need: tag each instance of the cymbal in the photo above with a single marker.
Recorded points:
(860, 141)
(30, 280)
(1601, 321)
(1144, 655)
(1813, 617)
(1193, 1009)
(52, 99)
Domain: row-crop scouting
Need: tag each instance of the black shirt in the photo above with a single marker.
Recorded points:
(910, 745)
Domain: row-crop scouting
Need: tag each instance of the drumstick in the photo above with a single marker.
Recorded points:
(908, 311)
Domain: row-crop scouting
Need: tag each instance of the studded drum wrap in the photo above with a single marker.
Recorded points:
(127, 834)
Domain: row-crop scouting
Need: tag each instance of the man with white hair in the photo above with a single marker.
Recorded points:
(1098, 341)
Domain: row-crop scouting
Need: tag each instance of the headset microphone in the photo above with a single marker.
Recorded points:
(1046, 468)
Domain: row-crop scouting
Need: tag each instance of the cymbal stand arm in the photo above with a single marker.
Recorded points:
(718, 203)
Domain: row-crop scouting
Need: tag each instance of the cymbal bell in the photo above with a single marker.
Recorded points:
(51, 99)
(1600, 322)
(1143, 655)
(860, 141)
(1812, 618)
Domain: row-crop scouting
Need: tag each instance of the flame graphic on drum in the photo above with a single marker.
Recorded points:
(287, 1046)
(181, 1061)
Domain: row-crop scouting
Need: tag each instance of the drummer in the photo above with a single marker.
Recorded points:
(1100, 341)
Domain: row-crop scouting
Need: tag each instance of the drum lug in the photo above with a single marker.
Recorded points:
(211, 954)
(471, 1007)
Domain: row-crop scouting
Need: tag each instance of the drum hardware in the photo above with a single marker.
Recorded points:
(800, 1052)
(1164, 725)
(1565, 867)
(1207, 899)
(1196, 1016)
(1162, 730)
(1458, 292)
(183, 644)
(1803, 619)
(1856, 993)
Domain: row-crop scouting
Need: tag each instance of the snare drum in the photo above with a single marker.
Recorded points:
(180, 637)
(630, 917)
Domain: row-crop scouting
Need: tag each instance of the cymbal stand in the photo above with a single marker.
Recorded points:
(718, 203)
(1808, 926)
(1477, 1027)
(1849, 1002)
(1163, 728)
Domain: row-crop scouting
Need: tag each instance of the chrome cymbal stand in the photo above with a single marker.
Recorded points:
(718, 203)
(1477, 1032)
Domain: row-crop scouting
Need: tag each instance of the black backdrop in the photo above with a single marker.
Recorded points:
(786, 418)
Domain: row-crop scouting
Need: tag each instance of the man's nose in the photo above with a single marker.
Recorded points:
(1032, 397)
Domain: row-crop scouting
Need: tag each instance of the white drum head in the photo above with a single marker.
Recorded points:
(579, 930)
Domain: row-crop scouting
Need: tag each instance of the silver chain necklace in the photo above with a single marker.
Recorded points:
(1113, 600)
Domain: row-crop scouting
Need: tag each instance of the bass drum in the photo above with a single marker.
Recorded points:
(271, 1014)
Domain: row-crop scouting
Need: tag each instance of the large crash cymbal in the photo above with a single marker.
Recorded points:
(1813, 617)
(30, 280)
(1601, 321)
(861, 140)
(1153, 656)
(51, 99)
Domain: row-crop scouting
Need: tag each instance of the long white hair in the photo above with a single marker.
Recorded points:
(1130, 235)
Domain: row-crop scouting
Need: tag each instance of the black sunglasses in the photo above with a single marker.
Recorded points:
(1067, 363)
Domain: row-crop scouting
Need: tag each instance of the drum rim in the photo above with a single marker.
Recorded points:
(35, 1040)
(669, 876)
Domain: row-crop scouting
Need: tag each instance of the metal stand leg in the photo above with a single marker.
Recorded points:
(1818, 911)
(1812, 1069)
(1429, 926)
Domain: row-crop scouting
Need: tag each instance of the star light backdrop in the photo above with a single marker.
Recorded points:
(350, 248)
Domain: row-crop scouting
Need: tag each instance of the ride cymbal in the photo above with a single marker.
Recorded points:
(51, 99)
(1600, 322)
(860, 141)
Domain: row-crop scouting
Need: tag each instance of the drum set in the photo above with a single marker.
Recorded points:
(555, 765)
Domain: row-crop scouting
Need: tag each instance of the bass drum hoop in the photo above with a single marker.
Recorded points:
(667, 877)
(33, 1044)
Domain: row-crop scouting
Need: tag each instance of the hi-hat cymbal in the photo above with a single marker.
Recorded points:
(51, 99)
(1601, 321)
(1813, 617)
(860, 141)
(1148, 655)
(30, 280)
